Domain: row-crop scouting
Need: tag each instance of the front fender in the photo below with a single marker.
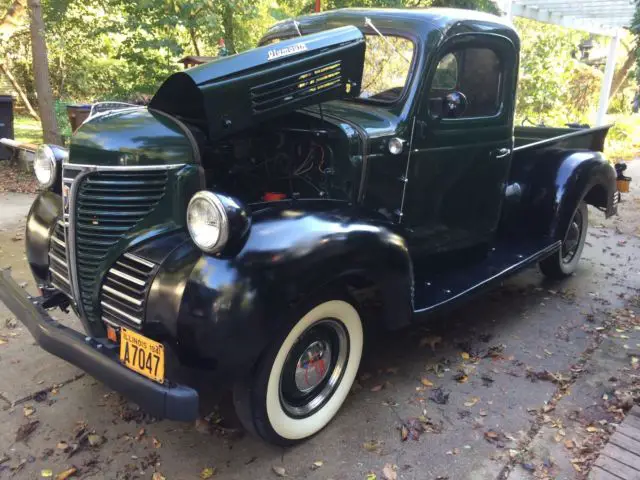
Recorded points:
(44, 212)
(228, 309)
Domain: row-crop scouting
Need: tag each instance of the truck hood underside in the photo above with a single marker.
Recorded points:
(236, 92)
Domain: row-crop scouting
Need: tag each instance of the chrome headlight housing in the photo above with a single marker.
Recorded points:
(208, 222)
(45, 166)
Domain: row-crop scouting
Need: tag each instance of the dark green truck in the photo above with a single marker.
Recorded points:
(358, 170)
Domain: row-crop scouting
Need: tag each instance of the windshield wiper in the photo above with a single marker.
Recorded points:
(368, 22)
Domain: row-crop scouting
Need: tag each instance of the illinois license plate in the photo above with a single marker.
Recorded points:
(142, 355)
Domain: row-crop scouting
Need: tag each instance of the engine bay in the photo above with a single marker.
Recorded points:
(278, 162)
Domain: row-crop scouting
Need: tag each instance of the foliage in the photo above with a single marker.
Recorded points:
(27, 130)
(623, 139)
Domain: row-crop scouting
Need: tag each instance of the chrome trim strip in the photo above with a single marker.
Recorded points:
(59, 275)
(110, 322)
(126, 276)
(53, 256)
(138, 259)
(96, 168)
(124, 296)
(188, 133)
(59, 242)
(108, 306)
(70, 238)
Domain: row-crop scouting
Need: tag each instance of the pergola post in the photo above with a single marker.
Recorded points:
(609, 70)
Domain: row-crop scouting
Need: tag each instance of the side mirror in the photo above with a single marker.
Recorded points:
(454, 105)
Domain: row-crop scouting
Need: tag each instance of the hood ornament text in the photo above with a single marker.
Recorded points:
(283, 52)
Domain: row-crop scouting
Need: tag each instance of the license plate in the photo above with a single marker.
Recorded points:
(142, 355)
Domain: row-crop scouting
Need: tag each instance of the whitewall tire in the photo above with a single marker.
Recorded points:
(305, 376)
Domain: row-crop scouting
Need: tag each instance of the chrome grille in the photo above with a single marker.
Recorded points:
(58, 264)
(124, 290)
(108, 205)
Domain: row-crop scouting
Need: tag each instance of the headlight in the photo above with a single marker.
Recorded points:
(45, 166)
(207, 221)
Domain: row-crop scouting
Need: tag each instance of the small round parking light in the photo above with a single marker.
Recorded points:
(396, 145)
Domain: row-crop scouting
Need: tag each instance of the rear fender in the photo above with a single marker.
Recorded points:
(551, 183)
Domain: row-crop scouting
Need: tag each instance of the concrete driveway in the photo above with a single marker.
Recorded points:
(524, 382)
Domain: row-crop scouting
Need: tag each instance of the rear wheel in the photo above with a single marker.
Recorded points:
(565, 261)
(304, 377)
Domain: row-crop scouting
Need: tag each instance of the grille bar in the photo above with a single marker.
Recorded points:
(124, 290)
(58, 262)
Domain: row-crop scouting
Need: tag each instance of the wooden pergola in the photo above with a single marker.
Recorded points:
(601, 17)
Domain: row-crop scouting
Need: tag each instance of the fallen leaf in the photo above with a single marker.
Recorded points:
(70, 472)
(389, 472)
(472, 402)
(439, 396)
(371, 476)
(483, 413)
(156, 443)
(207, 472)
(373, 446)
(377, 388)
(431, 340)
(62, 446)
(279, 471)
(140, 434)
(158, 476)
(25, 430)
(426, 382)
(592, 429)
(404, 433)
(317, 464)
(569, 444)
(46, 473)
(461, 377)
(28, 410)
(465, 356)
(95, 440)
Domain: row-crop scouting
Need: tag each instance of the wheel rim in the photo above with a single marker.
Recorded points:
(571, 242)
(313, 368)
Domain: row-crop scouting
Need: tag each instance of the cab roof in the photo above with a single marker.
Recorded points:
(419, 22)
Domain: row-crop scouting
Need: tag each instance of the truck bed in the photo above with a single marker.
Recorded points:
(529, 138)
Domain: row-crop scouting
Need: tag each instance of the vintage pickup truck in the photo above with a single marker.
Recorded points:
(358, 170)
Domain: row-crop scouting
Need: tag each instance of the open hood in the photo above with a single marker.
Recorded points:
(232, 93)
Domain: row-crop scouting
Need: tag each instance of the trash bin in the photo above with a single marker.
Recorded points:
(77, 114)
(6, 124)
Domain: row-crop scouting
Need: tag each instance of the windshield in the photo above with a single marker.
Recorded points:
(387, 63)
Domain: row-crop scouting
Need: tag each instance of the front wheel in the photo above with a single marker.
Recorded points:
(301, 382)
(565, 262)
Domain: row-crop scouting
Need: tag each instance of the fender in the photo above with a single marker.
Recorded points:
(44, 212)
(224, 311)
(553, 182)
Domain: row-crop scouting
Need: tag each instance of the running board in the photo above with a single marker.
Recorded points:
(451, 287)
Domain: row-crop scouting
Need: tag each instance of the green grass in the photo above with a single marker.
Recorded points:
(27, 130)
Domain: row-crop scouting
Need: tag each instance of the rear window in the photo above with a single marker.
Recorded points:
(387, 64)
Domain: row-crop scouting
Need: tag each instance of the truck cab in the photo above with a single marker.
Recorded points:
(358, 170)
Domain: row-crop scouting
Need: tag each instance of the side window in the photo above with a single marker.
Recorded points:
(474, 72)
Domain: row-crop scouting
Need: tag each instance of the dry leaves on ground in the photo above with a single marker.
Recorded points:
(389, 472)
(13, 179)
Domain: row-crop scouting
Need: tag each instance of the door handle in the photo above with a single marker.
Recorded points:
(501, 152)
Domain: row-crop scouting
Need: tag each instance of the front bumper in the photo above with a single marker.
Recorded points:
(98, 359)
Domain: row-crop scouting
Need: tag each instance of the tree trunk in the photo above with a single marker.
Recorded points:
(621, 75)
(11, 20)
(41, 73)
(227, 24)
(18, 88)
(194, 41)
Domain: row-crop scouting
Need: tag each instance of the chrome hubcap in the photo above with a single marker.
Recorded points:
(572, 239)
(314, 368)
